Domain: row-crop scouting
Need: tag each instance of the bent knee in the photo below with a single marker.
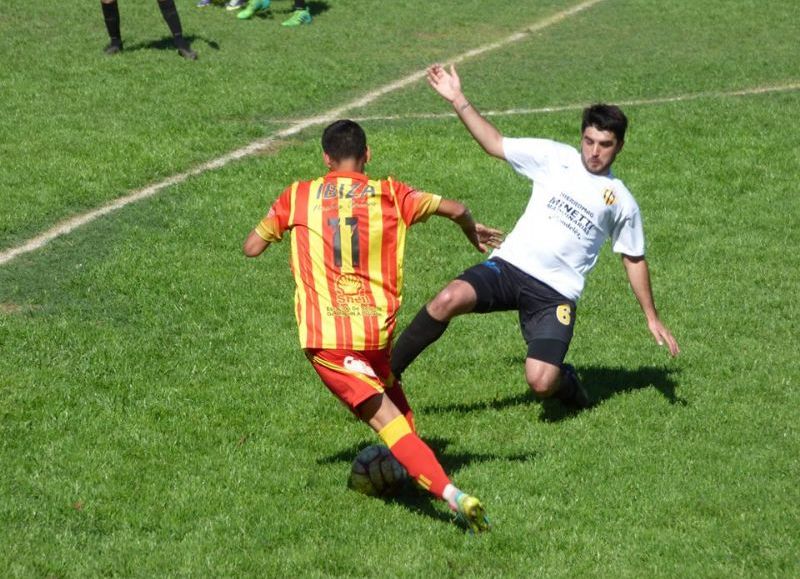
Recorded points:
(457, 298)
(542, 388)
(543, 378)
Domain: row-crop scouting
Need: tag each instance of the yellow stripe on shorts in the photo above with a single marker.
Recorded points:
(374, 382)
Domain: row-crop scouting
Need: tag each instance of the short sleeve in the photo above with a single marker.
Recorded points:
(415, 206)
(276, 222)
(627, 236)
(529, 157)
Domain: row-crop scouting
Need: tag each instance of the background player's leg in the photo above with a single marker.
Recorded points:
(300, 14)
(253, 6)
(111, 17)
(170, 14)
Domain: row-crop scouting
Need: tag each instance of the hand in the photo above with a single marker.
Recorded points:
(663, 336)
(485, 237)
(447, 84)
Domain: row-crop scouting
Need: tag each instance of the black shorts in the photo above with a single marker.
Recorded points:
(546, 318)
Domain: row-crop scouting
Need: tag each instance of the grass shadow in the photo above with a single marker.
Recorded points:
(317, 7)
(468, 407)
(165, 43)
(604, 382)
(600, 382)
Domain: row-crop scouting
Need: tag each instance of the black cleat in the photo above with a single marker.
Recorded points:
(572, 392)
(114, 47)
(187, 53)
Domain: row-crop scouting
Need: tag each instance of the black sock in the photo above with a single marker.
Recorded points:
(566, 389)
(170, 14)
(299, 4)
(423, 331)
(111, 16)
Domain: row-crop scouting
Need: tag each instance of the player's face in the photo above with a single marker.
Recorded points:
(598, 150)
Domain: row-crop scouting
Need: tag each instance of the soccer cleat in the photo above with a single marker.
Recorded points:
(572, 392)
(253, 7)
(114, 47)
(472, 514)
(235, 4)
(184, 50)
(298, 17)
(187, 53)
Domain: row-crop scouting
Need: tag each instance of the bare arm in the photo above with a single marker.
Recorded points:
(639, 278)
(478, 234)
(448, 85)
(254, 245)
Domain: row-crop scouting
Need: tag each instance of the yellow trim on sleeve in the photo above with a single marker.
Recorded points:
(394, 431)
(267, 230)
(427, 207)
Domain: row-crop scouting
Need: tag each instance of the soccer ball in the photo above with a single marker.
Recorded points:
(375, 472)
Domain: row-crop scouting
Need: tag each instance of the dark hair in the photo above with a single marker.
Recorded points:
(605, 118)
(344, 139)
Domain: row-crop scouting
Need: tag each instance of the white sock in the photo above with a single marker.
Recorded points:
(451, 494)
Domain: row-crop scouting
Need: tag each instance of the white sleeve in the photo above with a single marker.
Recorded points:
(529, 157)
(627, 237)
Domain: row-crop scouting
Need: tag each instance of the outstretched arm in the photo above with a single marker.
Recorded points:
(448, 85)
(639, 278)
(479, 235)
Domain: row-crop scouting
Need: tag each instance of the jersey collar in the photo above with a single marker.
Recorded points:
(346, 175)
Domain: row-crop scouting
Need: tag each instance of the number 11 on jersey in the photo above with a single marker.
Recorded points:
(351, 223)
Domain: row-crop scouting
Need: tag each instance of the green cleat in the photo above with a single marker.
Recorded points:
(297, 18)
(253, 6)
(472, 514)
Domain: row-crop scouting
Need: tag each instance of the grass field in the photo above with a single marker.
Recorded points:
(156, 415)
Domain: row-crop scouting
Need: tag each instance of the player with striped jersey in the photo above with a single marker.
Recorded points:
(348, 235)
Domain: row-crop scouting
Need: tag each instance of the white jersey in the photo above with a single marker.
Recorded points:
(569, 216)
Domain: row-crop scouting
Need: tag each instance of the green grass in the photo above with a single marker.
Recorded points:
(157, 417)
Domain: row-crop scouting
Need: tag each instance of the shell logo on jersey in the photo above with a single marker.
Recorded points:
(348, 284)
(349, 290)
(609, 197)
(564, 314)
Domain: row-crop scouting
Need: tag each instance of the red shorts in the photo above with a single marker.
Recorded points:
(352, 376)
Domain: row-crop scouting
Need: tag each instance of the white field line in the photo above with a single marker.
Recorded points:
(654, 101)
(68, 225)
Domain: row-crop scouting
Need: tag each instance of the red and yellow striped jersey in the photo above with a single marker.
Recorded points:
(348, 237)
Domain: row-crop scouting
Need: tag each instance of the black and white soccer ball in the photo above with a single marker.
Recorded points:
(375, 472)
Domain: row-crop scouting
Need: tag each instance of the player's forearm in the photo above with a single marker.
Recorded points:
(639, 278)
(459, 214)
(484, 132)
